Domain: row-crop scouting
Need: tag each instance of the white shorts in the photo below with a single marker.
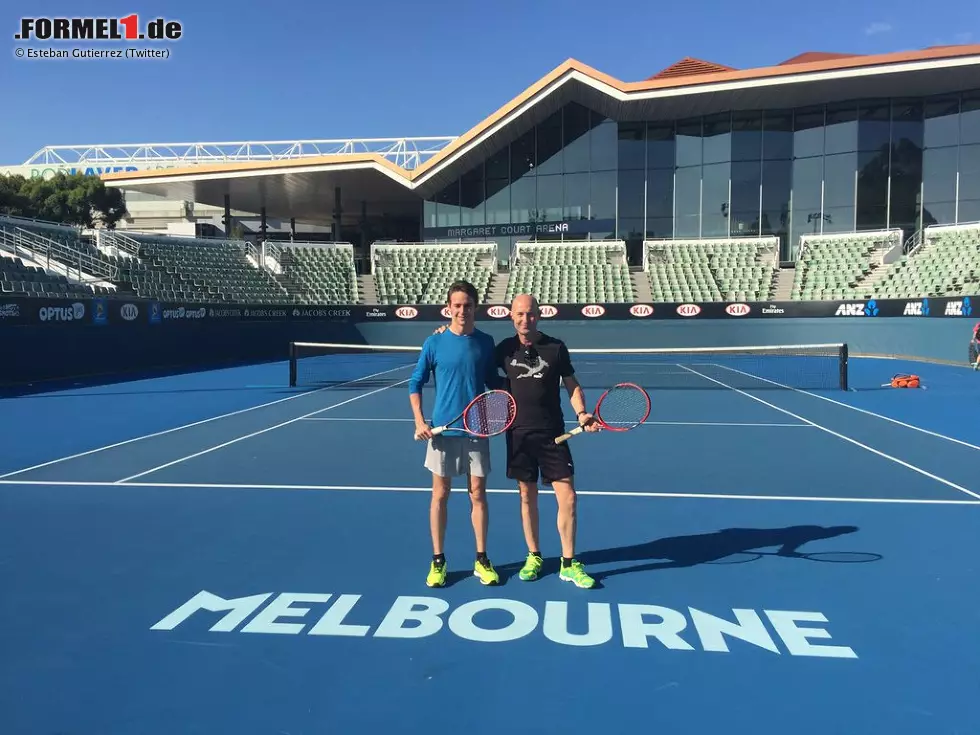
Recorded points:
(452, 456)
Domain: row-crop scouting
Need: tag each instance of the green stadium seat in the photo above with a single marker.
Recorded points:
(317, 273)
(842, 265)
(421, 273)
(722, 269)
(589, 271)
(946, 263)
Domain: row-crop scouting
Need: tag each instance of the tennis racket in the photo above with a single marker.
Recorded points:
(487, 415)
(621, 408)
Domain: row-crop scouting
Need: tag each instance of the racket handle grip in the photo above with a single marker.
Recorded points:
(565, 437)
(436, 431)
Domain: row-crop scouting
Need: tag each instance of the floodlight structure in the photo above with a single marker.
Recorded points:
(407, 153)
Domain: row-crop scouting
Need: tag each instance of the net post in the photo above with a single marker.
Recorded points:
(292, 364)
(843, 366)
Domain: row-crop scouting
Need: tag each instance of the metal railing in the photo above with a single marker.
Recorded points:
(58, 257)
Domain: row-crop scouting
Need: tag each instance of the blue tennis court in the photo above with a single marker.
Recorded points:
(220, 552)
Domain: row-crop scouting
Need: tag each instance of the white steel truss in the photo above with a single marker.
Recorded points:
(405, 152)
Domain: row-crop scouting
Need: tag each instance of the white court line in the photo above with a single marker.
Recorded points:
(260, 431)
(860, 410)
(496, 491)
(196, 423)
(645, 423)
(855, 442)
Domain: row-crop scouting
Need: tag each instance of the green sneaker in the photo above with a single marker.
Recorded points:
(485, 572)
(532, 568)
(575, 573)
(437, 575)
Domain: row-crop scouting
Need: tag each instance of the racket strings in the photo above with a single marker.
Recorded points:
(490, 414)
(623, 407)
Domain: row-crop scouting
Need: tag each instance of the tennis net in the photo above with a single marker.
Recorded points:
(806, 367)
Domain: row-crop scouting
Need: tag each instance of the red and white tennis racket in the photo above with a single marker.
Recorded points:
(487, 415)
(621, 408)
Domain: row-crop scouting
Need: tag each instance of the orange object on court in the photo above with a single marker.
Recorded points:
(904, 381)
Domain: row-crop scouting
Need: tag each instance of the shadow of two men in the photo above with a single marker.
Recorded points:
(687, 551)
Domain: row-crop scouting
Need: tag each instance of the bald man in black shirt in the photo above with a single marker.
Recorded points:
(537, 365)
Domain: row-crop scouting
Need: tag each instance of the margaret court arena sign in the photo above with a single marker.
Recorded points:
(576, 624)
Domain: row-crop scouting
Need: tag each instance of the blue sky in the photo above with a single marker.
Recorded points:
(377, 68)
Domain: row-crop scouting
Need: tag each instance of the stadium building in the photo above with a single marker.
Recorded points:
(823, 176)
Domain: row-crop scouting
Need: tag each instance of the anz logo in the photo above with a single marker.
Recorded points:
(959, 308)
(916, 308)
(858, 309)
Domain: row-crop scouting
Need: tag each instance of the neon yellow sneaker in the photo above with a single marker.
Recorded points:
(437, 575)
(532, 568)
(575, 573)
(485, 572)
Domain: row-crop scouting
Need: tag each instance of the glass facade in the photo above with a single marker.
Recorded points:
(858, 165)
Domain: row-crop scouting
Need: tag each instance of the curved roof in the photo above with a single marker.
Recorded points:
(688, 88)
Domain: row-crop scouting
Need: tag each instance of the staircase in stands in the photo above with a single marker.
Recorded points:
(366, 290)
(783, 284)
(642, 293)
(497, 293)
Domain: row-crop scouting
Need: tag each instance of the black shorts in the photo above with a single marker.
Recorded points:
(530, 451)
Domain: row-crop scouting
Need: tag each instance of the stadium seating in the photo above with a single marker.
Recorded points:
(316, 273)
(421, 273)
(18, 277)
(52, 260)
(724, 269)
(571, 272)
(946, 263)
(842, 265)
(199, 270)
(64, 242)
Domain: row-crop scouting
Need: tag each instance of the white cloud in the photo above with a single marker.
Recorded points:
(877, 27)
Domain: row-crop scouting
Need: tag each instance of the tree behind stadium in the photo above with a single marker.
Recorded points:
(74, 199)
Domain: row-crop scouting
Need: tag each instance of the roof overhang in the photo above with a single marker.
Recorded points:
(304, 188)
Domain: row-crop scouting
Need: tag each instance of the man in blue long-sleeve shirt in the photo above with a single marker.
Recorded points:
(461, 362)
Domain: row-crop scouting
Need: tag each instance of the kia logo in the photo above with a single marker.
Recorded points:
(548, 311)
(498, 312)
(641, 310)
(406, 312)
(688, 309)
(445, 312)
(129, 312)
(737, 309)
(593, 310)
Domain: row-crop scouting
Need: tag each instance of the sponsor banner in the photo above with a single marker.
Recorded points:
(12, 312)
(103, 312)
